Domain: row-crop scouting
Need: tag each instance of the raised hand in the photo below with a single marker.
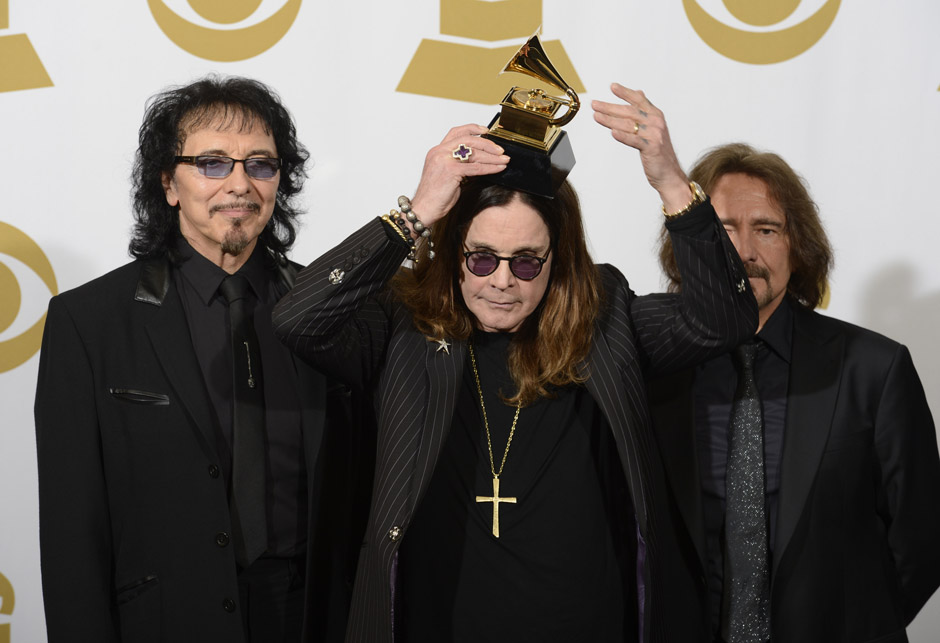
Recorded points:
(642, 126)
(462, 153)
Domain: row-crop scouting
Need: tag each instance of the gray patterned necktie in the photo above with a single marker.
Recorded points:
(746, 609)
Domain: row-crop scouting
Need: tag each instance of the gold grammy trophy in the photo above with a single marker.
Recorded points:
(529, 126)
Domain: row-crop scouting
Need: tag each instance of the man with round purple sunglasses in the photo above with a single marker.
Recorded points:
(525, 267)
(510, 497)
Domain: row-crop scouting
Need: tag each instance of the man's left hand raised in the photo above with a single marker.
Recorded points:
(642, 126)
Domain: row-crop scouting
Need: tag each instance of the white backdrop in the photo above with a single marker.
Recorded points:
(858, 113)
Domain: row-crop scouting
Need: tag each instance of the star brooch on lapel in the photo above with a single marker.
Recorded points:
(443, 345)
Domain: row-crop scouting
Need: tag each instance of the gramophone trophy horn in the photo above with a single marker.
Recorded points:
(532, 60)
(528, 125)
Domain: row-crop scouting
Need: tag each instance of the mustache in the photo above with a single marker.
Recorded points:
(235, 205)
(758, 272)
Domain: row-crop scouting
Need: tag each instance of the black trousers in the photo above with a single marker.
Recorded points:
(271, 593)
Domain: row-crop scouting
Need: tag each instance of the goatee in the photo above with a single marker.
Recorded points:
(235, 240)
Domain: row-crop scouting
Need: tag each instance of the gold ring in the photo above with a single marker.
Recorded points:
(636, 127)
(462, 153)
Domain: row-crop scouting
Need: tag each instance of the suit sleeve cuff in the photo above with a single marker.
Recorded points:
(394, 235)
(697, 224)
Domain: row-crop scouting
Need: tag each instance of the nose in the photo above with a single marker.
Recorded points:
(238, 181)
(743, 242)
(502, 277)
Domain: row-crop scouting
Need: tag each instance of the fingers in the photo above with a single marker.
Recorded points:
(637, 122)
(482, 150)
(637, 104)
(625, 123)
(466, 156)
(462, 153)
(635, 97)
(462, 131)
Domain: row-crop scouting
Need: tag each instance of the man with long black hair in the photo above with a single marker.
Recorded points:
(182, 449)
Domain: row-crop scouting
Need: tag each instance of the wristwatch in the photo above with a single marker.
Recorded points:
(698, 196)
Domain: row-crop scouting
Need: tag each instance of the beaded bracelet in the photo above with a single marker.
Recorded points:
(424, 231)
(405, 204)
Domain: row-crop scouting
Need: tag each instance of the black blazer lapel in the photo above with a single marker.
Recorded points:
(173, 346)
(815, 375)
(311, 391)
(443, 368)
(673, 419)
(311, 385)
(619, 410)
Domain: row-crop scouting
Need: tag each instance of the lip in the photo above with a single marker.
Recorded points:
(501, 304)
(237, 213)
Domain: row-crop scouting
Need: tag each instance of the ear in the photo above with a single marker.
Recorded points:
(169, 188)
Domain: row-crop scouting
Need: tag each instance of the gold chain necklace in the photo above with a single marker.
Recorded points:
(495, 498)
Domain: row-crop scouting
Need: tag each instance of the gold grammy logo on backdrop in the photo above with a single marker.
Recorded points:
(15, 351)
(470, 72)
(20, 67)
(761, 47)
(224, 45)
(7, 600)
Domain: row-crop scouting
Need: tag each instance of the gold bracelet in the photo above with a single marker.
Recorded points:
(698, 196)
(387, 219)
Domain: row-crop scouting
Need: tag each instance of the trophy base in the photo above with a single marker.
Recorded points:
(539, 172)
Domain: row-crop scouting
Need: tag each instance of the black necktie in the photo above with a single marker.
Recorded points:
(249, 524)
(746, 611)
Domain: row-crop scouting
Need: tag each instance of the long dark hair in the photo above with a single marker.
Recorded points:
(213, 101)
(549, 347)
(810, 252)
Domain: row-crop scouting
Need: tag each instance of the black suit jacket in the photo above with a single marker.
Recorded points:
(341, 317)
(858, 522)
(134, 517)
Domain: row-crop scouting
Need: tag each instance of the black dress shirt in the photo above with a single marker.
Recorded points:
(198, 280)
(713, 391)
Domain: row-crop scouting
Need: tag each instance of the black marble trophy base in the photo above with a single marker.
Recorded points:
(532, 170)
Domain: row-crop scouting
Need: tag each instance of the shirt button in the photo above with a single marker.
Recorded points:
(394, 534)
(213, 471)
(221, 539)
(228, 605)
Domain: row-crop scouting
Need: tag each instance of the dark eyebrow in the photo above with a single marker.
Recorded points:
(773, 223)
(217, 152)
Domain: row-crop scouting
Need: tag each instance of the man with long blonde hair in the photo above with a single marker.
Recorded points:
(510, 499)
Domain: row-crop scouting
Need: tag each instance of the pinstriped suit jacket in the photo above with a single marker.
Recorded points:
(341, 318)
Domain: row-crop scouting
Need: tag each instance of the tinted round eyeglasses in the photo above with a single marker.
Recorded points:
(525, 267)
(219, 167)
